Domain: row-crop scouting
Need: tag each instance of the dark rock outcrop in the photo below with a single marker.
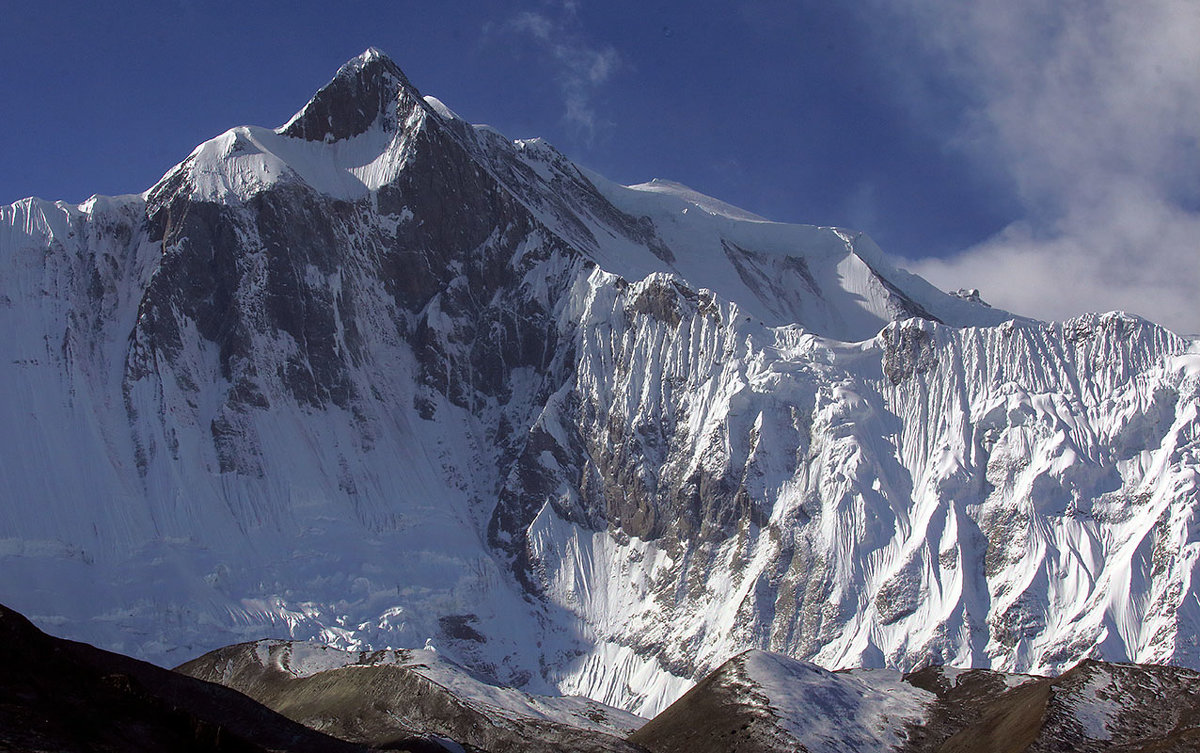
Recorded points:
(65, 696)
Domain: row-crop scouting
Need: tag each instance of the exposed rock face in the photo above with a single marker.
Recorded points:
(377, 369)
(365, 89)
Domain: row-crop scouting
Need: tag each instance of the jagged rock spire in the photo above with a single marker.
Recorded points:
(362, 91)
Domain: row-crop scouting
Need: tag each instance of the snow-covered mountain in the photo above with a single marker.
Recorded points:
(379, 375)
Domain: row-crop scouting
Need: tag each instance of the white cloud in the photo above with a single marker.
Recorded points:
(1137, 253)
(1093, 109)
(580, 66)
(537, 25)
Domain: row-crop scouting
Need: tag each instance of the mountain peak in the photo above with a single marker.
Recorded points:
(363, 89)
(371, 53)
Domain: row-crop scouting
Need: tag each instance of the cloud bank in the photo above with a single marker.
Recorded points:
(1092, 109)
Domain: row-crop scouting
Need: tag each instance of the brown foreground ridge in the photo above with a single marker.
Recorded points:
(63, 696)
(1097, 706)
(68, 697)
(377, 697)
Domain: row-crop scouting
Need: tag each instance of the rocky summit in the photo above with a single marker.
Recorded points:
(380, 378)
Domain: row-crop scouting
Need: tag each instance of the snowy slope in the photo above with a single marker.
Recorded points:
(830, 712)
(379, 375)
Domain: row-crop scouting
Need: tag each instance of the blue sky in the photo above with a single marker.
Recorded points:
(1046, 155)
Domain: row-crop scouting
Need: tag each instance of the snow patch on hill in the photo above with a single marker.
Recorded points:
(830, 712)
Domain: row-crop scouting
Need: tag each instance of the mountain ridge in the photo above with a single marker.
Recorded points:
(69, 696)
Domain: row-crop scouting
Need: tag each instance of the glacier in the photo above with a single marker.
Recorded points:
(379, 376)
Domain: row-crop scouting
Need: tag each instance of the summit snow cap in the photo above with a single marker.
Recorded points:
(364, 89)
